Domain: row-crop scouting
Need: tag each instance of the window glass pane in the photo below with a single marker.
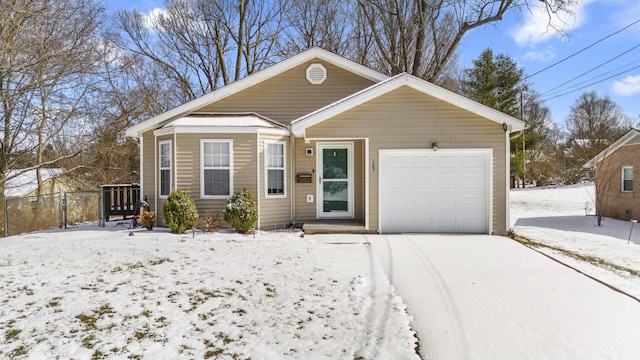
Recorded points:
(275, 155)
(165, 155)
(627, 179)
(216, 182)
(165, 182)
(275, 182)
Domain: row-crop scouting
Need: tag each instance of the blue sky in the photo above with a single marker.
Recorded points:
(526, 38)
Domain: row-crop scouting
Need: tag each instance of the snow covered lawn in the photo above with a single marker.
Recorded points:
(556, 217)
(93, 293)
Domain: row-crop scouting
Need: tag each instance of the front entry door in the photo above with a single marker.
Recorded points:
(335, 180)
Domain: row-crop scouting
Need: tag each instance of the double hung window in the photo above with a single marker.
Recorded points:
(217, 164)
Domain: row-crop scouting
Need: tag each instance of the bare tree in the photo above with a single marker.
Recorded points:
(593, 124)
(317, 23)
(201, 45)
(421, 36)
(46, 60)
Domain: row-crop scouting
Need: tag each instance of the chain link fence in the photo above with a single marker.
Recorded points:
(50, 211)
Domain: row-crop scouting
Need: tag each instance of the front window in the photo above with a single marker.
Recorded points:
(274, 163)
(165, 168)
(217, 176)
(627, 179)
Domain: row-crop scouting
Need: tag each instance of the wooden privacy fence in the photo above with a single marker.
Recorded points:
(119, 200)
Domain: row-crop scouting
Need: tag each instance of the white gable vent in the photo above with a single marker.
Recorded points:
(316, 74)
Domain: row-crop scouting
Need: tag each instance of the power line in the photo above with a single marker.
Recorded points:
(592, 69)
(593, 83)
(581, 50)
(549, 93)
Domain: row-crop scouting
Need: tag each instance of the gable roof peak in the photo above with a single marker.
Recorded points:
(253, 79)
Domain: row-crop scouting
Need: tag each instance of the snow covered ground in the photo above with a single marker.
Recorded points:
(94, 293)
(557, 217)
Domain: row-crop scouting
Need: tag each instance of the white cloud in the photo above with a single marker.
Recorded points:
(538, 26)
(542, 55)
(628, 86)
(151, 19)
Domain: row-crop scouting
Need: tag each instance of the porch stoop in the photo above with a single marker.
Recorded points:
(334, 228)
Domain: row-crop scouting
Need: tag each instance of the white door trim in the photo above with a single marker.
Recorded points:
(320, 214)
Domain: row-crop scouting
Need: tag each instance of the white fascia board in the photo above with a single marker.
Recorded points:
(299, 125)
(253, 79)
(623, 140)
(219, 130)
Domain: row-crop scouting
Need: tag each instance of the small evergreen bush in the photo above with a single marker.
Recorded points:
(209, 223)
(147, 219)
(241, 211)
(180, 212)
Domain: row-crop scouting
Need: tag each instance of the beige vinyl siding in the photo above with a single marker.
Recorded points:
(289, 95)
(187, 163)
(408, 119)
(275, 212)
(307, 211)
(305, 165)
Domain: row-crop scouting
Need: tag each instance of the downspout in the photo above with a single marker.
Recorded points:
(292, 171)
(507, 149)
(174, 155)
(155, 176)
(258, 175)
(141, 168)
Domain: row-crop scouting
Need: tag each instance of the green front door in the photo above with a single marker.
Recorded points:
(335, 194)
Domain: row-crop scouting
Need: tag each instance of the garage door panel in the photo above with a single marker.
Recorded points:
(427, 191)
(420, 162)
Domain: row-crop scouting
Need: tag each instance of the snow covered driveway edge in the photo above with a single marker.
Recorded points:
(103, 294)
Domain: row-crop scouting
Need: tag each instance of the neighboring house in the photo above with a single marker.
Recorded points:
(617, 170)
(322, 140)
(25, 184)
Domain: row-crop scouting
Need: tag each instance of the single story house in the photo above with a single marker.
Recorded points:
(319, 139)
(617, 169)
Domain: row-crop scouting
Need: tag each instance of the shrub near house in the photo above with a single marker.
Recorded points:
(241, 211)
(180, 212)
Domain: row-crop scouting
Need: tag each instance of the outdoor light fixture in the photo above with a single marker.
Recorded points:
(434, 146)
(505, 127)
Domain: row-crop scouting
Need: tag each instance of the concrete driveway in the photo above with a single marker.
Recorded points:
(489, 297)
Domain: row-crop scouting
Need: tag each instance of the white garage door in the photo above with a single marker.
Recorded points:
(443, 191)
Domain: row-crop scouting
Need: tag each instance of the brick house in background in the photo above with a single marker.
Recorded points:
(617, 171)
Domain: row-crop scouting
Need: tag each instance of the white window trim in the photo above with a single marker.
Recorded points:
(622, 189)
(160, 168)
(202, 168)
(267, 168)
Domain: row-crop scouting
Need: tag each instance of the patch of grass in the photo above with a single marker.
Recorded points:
(88, 341)
(54, 302)
(159, 261)
(586, 258)
(12, 334)
(239, 311)
(213, 352)
(19, 351)
(88, 321)
(104, 310)
(97, 355)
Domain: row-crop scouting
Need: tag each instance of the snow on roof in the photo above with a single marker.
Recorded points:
(224, 120)
(26, 182)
